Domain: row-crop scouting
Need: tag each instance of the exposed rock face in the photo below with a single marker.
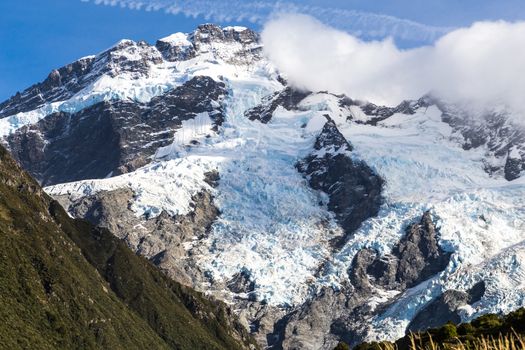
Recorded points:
(380, 113)
(174, 51)
(515, 164)
(440, 311)
(288, 98)
(419, 254)
(311, 327)
(445, 308)
(111, 137)
(208, 37)
(60, 84)
(414, 259)
(160, 239)
(241, 283)
(354, 190)
(343, 315)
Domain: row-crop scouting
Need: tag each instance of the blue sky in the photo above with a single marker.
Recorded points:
(39, 35)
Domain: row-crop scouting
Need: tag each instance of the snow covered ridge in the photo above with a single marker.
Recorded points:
(136, 71)
(207, 102)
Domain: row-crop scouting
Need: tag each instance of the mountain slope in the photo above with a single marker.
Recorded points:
(51, 296)
(317, 217)
(65, 284)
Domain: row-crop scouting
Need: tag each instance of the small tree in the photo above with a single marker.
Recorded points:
(342, 346)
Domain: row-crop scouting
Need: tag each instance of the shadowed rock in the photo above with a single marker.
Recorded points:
(112, 137)
(445, 308)
(160, 239)
(353, 188)
(416, 258)
(288, 98)
(241, 282)
(332, 316)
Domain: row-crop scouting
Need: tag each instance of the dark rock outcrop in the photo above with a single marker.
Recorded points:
(161, 239)
(445, 308)
(288, 98)
(312, 326)
(380, 113)
(514, 165)
(111, 137)
(175, 52)
(439, 311)
(420, 256)
(210, 34)
(413, 260)
(241, 282)
(353, 188)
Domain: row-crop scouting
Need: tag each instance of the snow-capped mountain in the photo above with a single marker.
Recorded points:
(320, 218)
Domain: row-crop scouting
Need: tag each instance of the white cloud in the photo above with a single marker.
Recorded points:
(482, 63)
(362, 24)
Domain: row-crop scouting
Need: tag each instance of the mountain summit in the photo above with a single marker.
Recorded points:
(319, 218)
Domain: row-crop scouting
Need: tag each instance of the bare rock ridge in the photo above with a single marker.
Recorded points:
(205, 34)
(66, 81)
(160, 239)
(113, 137)
(414, 259)
(354, 190)
(289, 98)
(128, 56)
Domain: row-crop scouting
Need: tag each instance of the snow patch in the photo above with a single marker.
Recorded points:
(177, 39)
(165, 186)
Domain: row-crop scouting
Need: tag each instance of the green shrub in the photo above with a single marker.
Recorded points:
(515, 321)
(488, 323)
(342, 346)
(466, 328)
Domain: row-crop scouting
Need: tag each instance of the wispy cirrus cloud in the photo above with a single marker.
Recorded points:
(362, 24)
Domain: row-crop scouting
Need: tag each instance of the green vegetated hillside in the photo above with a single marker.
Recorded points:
(65, 284)
(485, 333)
